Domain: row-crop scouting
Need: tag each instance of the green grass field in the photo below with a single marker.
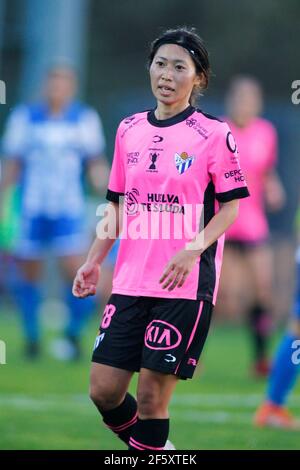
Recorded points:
(45, 405)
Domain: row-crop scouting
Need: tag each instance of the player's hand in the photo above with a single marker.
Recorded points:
(86, 280)
(178, 269)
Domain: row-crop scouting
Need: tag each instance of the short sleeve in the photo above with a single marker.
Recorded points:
(16, 134)
(91, 133)
(116, 185)
(224, 166)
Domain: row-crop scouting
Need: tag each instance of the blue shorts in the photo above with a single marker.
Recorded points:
(38, 235)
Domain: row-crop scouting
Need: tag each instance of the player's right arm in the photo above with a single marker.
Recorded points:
(88, 274)
(108, 228)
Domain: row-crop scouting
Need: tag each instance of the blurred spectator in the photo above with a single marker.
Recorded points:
(285, 368)
(47, 146)
(248, 261)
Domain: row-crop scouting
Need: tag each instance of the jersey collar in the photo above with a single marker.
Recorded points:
(170, 121)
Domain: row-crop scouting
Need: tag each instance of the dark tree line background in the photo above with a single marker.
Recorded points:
(257, 38)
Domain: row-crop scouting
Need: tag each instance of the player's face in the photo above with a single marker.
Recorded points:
(245, 101)
(61, 86)
(173, 75)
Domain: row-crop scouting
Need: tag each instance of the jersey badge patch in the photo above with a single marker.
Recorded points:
(183, 162)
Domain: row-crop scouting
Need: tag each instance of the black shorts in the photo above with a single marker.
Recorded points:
(242, 247)
(165, 335)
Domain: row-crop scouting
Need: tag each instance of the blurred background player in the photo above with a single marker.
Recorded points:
(47, 146)
(8, 229)
(248, 260)
(285, 367)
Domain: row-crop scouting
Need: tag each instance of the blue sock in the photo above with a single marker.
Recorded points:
(80, 311)
(27, 296)
(284, 372)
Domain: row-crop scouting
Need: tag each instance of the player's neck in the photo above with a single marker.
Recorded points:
(164, 111)
(242, 122)
(56, 108)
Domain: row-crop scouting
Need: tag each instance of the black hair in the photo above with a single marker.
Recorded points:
(192, 42)
(61, 63)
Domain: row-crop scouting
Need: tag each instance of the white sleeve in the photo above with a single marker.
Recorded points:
(15, 137)
(92, 135)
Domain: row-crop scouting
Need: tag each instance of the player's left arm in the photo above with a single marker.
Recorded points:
(274, 192)
(216, 227)
(230, 186)
(98, 173)
(180, 266)
(93, 148)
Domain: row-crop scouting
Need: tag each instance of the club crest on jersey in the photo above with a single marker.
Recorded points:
(183, 162)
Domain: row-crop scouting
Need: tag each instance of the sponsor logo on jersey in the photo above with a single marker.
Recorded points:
(131, 201)
(194, 124)
(183, 162)
(232, 147)
(158, 202)
(130, 123)
(161, 335)
(129, 119)
(98, 340)
(153, 158)
(236, 174)
(160, 197)
(132, 158)
(157, 138)
(230, 142)
(170, 358)
(192, 362)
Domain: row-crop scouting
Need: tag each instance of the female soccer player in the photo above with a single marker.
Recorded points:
(247, 238)
(166, 162)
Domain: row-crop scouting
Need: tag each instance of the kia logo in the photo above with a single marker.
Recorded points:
(161, 335)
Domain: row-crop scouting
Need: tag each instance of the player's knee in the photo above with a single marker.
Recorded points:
(103, 397)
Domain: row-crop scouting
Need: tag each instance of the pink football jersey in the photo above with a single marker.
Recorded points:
(257, 145)
(173, 174)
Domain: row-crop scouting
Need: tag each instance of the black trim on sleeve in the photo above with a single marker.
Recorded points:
(237, 193)
(209, 116)
(113, 196)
